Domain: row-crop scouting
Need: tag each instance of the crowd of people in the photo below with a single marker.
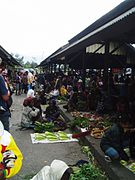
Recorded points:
(90, 95)
(10, 155)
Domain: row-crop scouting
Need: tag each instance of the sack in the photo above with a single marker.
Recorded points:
(9, 102)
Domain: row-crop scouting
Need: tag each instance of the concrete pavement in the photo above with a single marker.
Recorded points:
(38, 155)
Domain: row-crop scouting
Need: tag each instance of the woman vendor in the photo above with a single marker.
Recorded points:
(29, 114)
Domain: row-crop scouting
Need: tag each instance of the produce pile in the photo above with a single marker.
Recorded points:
(57, 125)
(42, 127)
(61, 98)
(88, 171)
(51, 136)
(96, 124)
(129, 165)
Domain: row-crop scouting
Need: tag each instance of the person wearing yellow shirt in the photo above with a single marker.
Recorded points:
(10, 155)
(63, 91)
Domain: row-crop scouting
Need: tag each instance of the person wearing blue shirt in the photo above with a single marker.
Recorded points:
(4, 96)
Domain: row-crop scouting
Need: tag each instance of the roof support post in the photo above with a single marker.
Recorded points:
(49, 67)
(55, 67)
(65, 67)
(59, 67)
(84, 69)
(106, 65)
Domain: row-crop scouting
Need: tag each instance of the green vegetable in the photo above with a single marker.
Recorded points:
(88, 172)
(62, 133)
(81, 122)
(123, 162)
(49, 133)
(51, 138)
(42, 127)
(39, 137)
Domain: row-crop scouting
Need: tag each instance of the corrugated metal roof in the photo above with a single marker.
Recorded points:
(131, 11)
(114, 47)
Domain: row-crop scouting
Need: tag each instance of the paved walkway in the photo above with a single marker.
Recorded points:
(38, 155)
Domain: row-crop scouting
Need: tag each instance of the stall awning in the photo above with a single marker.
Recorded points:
(7, 58)
(117, 25)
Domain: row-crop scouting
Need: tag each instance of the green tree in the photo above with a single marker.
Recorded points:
(33, 64)
(27, 65)
(18, 58)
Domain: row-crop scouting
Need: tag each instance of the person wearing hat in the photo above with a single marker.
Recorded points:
(4, 97)
(10, 155)
(58, 170)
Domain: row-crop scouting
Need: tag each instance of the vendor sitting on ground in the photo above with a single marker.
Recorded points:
(118, 137)
(52, 111)
(29, 113)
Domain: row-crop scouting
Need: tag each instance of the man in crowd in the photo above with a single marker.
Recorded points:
(4, 97)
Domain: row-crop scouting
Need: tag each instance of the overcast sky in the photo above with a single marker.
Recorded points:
(36, 28)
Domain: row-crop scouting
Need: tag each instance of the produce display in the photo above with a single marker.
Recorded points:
(129, 165)
(62, 135)
(52, 136)
(40, 136)
(42, 127)
(81, 122)
(57, 125)
(87, 171)
(97, 132)
(96, 124)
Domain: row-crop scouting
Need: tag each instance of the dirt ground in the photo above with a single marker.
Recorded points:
(38, 155)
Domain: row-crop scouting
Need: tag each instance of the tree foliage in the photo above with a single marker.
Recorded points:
(27, 64)
(18, 58)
